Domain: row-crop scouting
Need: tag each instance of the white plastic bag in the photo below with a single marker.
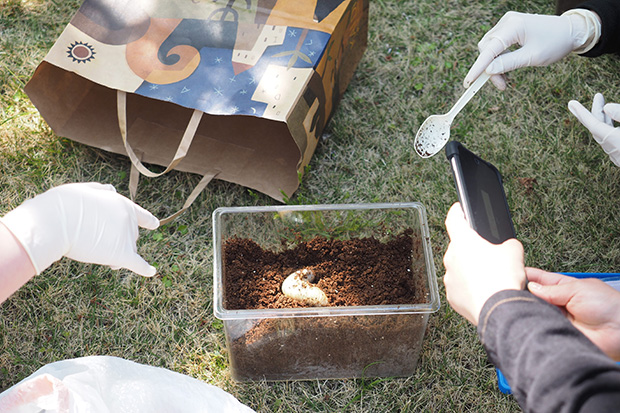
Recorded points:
(103, 384)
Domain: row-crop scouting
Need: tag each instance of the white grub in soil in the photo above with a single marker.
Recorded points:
(298, 286)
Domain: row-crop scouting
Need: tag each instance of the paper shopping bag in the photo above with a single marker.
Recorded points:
(239, 90)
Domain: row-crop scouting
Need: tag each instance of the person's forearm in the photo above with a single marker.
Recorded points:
(609, 13)
(549, 364)
(16, 268)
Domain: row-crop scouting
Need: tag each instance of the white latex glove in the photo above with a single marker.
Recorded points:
(600, 123)
(87, 222)
(543, 40)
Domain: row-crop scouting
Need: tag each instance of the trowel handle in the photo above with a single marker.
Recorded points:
(469, 93)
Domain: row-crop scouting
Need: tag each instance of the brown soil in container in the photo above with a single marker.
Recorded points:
(352, 272)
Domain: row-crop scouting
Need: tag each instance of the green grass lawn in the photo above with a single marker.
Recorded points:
(562, 189)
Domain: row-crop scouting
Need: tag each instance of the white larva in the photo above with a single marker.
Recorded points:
(298, 287)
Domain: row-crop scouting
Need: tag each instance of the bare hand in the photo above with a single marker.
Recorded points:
(592, 306)
(477, 269)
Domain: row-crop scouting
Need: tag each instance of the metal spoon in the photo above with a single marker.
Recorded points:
(435, 131)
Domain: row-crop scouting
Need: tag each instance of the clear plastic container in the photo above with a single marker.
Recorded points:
(325, 342)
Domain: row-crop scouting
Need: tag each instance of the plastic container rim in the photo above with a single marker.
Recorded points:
(424, 308)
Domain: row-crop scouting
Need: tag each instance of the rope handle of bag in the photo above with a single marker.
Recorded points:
(186, 141)
(137, 167)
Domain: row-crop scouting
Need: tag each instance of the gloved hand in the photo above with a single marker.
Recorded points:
(543, 40)
(87, 222)
(600, 123)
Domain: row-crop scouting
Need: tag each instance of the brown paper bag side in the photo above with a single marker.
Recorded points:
(314, 108)
(249, 151)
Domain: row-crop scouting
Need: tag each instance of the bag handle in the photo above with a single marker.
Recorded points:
(186, 141)
(137, 167)
(208, 177)
(134, 177)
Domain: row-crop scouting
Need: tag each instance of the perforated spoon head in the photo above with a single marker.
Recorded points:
(435, 131)
(432, 135)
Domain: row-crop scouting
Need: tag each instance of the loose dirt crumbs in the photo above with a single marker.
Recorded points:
(354, 272)
(362, 271)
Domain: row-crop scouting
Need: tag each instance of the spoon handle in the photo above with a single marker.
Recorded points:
(466, 97)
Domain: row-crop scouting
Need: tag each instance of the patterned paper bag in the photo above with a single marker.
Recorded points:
(239, 90)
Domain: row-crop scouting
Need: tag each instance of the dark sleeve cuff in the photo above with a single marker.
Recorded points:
(547, 362)
(609, 13)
